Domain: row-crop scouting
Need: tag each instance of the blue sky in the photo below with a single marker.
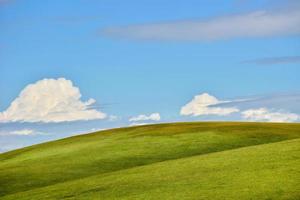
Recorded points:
(136, 58)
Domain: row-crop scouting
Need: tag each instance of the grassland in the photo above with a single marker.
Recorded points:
(168, 161)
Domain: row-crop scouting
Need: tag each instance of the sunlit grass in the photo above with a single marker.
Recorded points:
(167, 161)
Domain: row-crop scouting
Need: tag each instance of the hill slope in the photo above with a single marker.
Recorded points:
(167, 161)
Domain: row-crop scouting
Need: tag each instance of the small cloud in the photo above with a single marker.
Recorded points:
(97, 129)
(151, 117)
(263, 114)
(274, 60)
(21, 132)
(259, 23)
(138, 124)
(50, 100)
(205, 104)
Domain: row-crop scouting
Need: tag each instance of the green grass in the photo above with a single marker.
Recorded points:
(168, 161)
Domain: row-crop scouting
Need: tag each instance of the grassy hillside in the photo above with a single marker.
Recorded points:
(167, 161)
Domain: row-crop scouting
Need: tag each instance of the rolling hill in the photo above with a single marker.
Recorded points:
(199, 160)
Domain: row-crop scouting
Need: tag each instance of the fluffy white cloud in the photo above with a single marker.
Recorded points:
(151, 117)
(50, 100)
(206, 104)
(254, 24)
(263, 114)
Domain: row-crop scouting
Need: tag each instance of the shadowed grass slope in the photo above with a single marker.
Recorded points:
(78, 165)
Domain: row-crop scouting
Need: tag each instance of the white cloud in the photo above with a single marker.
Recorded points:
(151, 117)
(20, 132)
(50, 100)
(206, 104)
(254, 24)
(97, 129)
(138, 124)
(263, 114)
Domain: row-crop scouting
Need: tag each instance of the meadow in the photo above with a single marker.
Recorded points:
(195, 160)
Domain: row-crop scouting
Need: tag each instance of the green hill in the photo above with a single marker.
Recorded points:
(167, 161)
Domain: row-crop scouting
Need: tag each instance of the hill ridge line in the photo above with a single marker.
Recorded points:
(227, 123)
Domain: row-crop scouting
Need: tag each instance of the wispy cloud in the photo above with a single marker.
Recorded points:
(21, 132)
(254, 24)
(138, 124)
(274, 60)
(272, 108)
(289, 102)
